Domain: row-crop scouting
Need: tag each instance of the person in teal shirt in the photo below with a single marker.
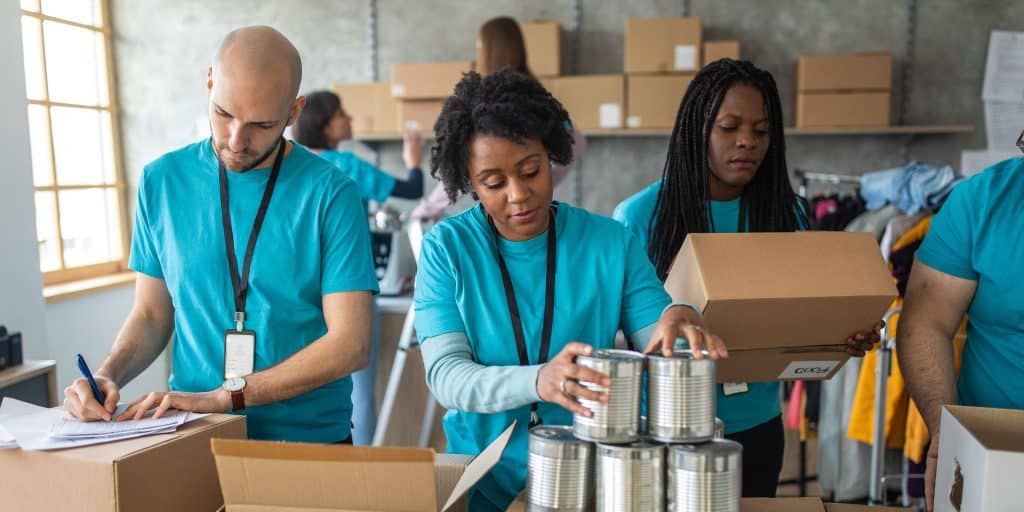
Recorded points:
(305, 294)
(573, 279)
(726, 173)
(323, 124)
(971, 261)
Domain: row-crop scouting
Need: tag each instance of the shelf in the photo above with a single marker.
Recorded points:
(937, 129)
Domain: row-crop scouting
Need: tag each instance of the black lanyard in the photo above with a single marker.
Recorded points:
(240, 283)
(513, 307)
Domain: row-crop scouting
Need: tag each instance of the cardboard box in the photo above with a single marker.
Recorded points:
(652, 101)
(663, 45)
(543, 47)
(981, 454)
(842, 109)
(806, 505)
(715, 50)
(844, 72)
(258, 476)
(593, 101)
(371, 107)
(164, 472)
(418, 116)
(783, 302)
(426, 80)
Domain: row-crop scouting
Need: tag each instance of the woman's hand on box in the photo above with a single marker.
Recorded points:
(859, 343)
(681, 321)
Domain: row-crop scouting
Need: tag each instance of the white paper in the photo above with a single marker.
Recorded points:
(610, 115)
(808, 370)
(686, 57)
(1003, 124)
(734, 388)
(633, 121)
(412, 125)
(40, 428)
(1004, 68)
(398, 90)
(974, 161)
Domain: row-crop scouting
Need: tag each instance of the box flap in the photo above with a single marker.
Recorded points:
(480, 466)
(995, 429)
(781, 505)
(331, 477)
(767, 290)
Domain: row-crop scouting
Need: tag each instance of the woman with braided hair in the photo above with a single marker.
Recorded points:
(726, 173)
(507, 293)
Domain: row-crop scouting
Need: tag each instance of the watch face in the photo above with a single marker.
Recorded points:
(234, 384)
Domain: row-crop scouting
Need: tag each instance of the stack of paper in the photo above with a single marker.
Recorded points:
(1003, 95)
(32, 427)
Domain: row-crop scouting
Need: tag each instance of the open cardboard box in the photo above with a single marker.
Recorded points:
(981, 457)
(260, 476)
(768, 505)
(163, 472)
(783, 302)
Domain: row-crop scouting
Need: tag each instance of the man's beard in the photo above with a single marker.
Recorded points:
(266, 154)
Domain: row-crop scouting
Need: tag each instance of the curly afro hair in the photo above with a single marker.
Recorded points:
(506, 104)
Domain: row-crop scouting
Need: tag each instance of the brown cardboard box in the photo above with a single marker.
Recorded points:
(842, 109)
(793, 298)
(663, 45)
(844, 72)
(806, 505)
(426, 80)
(846, 507)
(164, 472)
(371, 107)
(418, 116)
(714, 50)
(981, 453)
(652, 101)
(258, 476)
(543, 47)
(593, 101)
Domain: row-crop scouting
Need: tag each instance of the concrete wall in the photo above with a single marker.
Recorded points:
(163, 48)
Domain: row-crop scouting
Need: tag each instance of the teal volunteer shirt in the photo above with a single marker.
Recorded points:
(741, 411)
(314, 241)
(978, 234)
(603, 283)
(373, 183)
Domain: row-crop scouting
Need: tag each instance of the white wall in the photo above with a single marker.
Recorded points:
(21, 284)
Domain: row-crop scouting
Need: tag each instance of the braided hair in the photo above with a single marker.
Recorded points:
(767, 202)
(505, 104)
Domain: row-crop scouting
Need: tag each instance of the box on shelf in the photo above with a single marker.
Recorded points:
(371, 107)
(715, 50)
(426, 80)
(652, 101)
(419, 115)
(663, 45)
(543, 41)
(594, 102)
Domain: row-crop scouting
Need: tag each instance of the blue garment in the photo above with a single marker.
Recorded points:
(314, 241)
(374, 184)
(977, 235)
(364, 397)
(913, 187)
(760, 403)
(603, 283)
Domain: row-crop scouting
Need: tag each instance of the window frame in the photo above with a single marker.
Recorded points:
(64, 274)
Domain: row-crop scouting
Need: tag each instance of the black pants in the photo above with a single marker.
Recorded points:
(763, 448)
(345, 441)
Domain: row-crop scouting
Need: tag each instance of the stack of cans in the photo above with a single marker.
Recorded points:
(677, 460)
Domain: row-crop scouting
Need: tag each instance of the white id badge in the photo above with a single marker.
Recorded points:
(734, 388)
(239, 353)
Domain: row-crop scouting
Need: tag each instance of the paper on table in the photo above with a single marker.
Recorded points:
(1004, 68)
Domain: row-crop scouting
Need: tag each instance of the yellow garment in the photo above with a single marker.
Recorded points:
(862, 417)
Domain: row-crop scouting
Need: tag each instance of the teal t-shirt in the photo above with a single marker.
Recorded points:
(741, 411)
(978, 234)
(314, 241)
(374, 184)
(603, 283)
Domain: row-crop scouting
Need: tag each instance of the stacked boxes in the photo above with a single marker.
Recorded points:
(594, 102)
(370, 106)
(843, 90)
(661, 57)
(421, 89)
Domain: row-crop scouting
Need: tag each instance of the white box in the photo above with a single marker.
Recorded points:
(1003, 124)
(981, 459)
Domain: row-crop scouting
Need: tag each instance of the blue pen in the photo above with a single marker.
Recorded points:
(84, 368)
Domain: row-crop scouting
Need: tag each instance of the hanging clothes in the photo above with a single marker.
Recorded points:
(913, 187)
(874, 221)
(897, 227)
(847, 208)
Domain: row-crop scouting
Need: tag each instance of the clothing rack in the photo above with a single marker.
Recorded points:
(807, 177)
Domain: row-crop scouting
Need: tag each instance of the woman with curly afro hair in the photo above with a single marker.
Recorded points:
(511, 291)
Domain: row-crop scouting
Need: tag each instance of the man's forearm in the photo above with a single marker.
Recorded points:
(138, 344)
(328, 359)
(926, 361)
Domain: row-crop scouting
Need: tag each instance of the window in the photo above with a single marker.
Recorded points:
(73, 127)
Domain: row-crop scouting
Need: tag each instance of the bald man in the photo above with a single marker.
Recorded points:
(255, 254)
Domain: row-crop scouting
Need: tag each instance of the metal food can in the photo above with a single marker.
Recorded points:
(681, 398)
(719, 429)
(630, 477)
(705, 477)
(617, 421)
(558, 470)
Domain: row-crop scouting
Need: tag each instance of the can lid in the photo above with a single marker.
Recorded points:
(555, 434)
(715, 456)
(680, 354)
(642, 449)
(611, 354)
